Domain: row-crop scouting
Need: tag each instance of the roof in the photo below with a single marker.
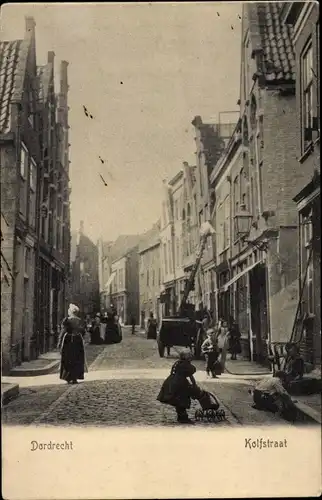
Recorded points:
(123, 244)
(273, 39)
(9, 59)
(150, 239)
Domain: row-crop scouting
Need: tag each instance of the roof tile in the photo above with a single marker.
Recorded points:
(278, 51)
(9, 58)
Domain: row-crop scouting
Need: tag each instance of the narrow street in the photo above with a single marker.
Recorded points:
(121, 388)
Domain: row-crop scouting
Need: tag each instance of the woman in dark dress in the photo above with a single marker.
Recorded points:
(177, 391)
(112, 331)
(151, 327)
(71, 345)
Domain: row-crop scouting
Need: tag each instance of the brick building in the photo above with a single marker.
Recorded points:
(124, 287)
(84, 275)
(150, 274)
(53, 257)
(303, 17)
(255, 179)
(211, 140)
(22, 111)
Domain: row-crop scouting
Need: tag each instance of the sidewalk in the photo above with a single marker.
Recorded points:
(46, 363)
(245, 367)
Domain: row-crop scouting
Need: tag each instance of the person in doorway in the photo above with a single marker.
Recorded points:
(72, 348)
(270, 395)
(133, 324)
(210, 349)
(234, 339)
(180, 387)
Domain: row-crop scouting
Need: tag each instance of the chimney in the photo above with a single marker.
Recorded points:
(63, 77)
(51, 57)
(30, 24)
(81, 227)
(185, 164)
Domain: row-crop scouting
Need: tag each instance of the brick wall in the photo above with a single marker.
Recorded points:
(281, 172)
(8, 209)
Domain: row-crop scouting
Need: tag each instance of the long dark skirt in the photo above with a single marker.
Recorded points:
(72, 364)
(112, 333)
(177, 391)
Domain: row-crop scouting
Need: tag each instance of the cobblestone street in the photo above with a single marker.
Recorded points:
(121, 389)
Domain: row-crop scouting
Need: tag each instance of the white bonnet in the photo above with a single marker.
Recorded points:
(72, 309)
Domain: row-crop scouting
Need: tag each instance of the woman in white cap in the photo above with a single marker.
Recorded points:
(71, 345)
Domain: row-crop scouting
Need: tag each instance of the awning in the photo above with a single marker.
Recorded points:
(225, 287)
(109, 281)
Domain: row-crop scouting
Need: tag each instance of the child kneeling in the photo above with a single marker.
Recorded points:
(177, 390)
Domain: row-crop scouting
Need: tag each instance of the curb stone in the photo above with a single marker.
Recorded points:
(9, 393)
(34, 372)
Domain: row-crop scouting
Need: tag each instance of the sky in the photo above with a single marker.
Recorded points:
(143, 71)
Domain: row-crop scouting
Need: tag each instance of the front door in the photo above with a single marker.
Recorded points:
(258, 304)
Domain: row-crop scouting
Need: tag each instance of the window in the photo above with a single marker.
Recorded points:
(33, 174)
(236, 194)
(226, 222)
(23, 161)
(307, 242)
(318, 74)
(27, 261)
(165, 257)
(307, 96)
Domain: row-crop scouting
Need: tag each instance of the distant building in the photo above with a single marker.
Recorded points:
(108, 252)
(211, 140)
(85, 282)
(304, 17)
(104, 272)
(124, 288)
(150, 274)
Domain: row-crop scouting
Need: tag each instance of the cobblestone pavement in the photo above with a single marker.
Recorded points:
(125, 400)
(134, 352)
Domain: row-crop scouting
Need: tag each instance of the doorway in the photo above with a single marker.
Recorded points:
(259, 308)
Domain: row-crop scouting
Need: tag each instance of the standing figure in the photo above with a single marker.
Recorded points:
(222, 342)
(151, 327)
(234, 339)
(72, 348)
(133, 323)
(177, 390)
(210, 349)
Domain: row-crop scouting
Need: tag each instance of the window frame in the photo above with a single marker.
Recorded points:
(25, 152)
(307, 95)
